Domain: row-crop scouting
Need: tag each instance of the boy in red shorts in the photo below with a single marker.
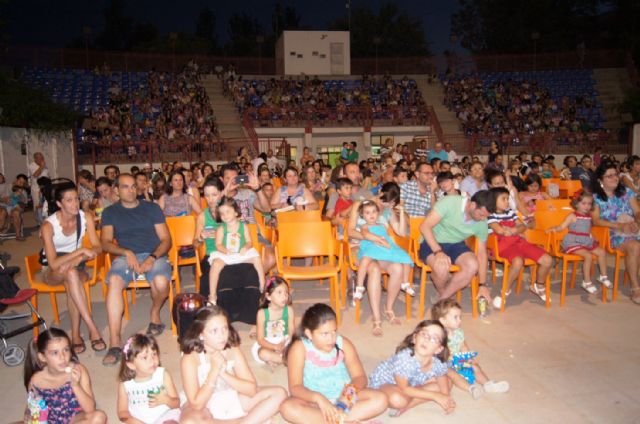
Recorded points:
(507, 227)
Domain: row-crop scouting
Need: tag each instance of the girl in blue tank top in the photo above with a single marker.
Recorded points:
(323, 366)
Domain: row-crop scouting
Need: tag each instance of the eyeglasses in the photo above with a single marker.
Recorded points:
(433, 338)
(611, 175)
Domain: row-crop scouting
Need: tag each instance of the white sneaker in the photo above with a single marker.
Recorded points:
(604, 280)
(496, 386)
(499, 272)
(497, 301)
(476, 391)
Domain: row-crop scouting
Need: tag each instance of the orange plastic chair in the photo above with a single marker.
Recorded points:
(533, 236)
(547, 181)
(545, 219)
(183, 230)
(553, 205)
(299, 216)
(35, 282)
(569, 187)
(416, 237)
(601, 234)
(135, 285)
(556, 239)
(310, 239)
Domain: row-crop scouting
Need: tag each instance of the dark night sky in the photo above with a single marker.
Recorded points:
(55, 23)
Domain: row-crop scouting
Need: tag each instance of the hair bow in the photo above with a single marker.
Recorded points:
(269, 282)
(127, 346)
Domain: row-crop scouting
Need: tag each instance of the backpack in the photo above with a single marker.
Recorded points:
(8, 287)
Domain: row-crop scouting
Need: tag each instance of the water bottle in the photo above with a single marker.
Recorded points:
(482, 307)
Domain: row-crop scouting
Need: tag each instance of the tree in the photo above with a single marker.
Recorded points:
(394, 32)
(117, 28)
(206, 29)
(284, 19)
(507, 26)
(144, 36)
(243, 30)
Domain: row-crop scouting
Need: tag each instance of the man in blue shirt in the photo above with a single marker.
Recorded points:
(143, 241)
(438, 153)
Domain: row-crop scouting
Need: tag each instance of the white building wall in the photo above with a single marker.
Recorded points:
(309, 53)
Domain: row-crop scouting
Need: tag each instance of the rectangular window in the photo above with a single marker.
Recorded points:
(330, 155)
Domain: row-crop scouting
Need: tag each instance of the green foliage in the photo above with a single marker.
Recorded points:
(243, 31)
(28, 108)
(394, 32)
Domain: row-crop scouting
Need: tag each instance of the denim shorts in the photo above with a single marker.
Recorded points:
(160, 267)
(453, 250)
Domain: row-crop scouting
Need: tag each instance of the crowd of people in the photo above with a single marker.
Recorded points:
(513, 107)
(456, 198)
(289, 99)
(167, 111)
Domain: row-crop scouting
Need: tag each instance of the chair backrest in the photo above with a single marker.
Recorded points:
(253, 233)
(546, 219)
(305, 239)
(539, 238)
(203, 203)
(299, 216)
(182, 229)
(547, 181)
(553, 204)
(601, 235)
(571, 186)
(32, 265)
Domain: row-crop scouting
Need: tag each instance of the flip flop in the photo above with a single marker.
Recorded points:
(79, 348)
(98, 345)
(377, 328)
(391, 317)
(112, 357)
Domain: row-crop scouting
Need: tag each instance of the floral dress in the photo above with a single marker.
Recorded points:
(612, 209)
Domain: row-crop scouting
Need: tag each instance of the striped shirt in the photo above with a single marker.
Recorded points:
(508, 218)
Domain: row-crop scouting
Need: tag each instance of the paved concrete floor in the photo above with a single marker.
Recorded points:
(578, 364)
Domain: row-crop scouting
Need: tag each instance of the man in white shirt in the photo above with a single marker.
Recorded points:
(273, 162)
(37, 168)
(453, 156)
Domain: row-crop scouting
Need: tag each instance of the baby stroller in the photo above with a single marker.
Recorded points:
(10, 294)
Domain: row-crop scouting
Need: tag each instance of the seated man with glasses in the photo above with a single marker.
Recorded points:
(418, 195)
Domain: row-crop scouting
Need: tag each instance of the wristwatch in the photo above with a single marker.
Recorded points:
(257, 189)
(153, 256)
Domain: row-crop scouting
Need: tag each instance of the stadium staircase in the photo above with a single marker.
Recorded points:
(433, 95)
(612, 85)
(228, 119)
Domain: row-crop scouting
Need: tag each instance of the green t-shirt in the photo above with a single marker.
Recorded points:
(352, 156)
(453, 228)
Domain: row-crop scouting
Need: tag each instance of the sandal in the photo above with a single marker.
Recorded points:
(155, 329)
(635, 295)
(408, 288)
(98, 345)
(589, 287)
(540, 292)
(377, 329)
(112, 357)
(604, 280)
(79, 348)
(391, 317)
(358, 293)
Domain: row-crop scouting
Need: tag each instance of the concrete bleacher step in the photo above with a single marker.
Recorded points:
(612, 85)
(228, 120)
(433, 95)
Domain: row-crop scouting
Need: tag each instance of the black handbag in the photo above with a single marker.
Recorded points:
(42, 259)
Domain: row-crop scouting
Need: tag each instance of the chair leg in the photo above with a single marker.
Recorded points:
(563, 287)
(616, 278)
(474, 295)
(548, 291)
(423, 289)
(574, 271)
(54, 306)
(333, 286)
(503, 291)
(34, 317)
(493, 272)
(174, 330)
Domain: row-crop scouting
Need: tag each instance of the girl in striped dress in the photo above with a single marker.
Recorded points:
(578, 241)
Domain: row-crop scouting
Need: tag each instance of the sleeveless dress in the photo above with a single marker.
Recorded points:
(62, 242)
(62, 403)
(579, 235)
(405, 365)
(233, 243)
(274, 331)
(212, 225)
(291, 200)
(224, 403)
(177, 205)
(325, 373)
(138, 399)
(372, 250)
(611, 210)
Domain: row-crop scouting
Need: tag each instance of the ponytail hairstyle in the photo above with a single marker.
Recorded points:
(313, 318)
(33, 364)
(191, 341)
(409, 340)
(135, 345)
(270, 285)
